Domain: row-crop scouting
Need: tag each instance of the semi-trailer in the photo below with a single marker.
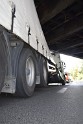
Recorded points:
(25, 58)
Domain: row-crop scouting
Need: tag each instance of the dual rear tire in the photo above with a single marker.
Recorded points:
(27, 70)
(26, 77)
(3, 61)
(43, 72)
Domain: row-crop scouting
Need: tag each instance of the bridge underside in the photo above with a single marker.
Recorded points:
(62, 23)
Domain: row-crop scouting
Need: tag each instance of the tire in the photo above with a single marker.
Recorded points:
(54, 78)
(26, 77)
(63, 82)
(2, 63)
(43, 72)
(2, 72)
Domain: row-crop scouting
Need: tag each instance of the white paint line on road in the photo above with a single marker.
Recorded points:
(62, 90)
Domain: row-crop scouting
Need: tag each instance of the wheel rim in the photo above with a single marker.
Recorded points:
(30, 71)
(45, 73)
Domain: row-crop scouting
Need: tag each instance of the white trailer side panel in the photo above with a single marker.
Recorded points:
(26, 16)
(5, 14)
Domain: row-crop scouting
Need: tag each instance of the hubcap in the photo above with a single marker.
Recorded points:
(30, 71)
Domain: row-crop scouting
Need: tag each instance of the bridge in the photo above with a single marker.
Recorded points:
(62, 24)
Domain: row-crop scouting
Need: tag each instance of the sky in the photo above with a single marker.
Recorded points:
(71, 62)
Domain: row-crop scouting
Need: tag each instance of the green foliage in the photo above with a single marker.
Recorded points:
(77, 73)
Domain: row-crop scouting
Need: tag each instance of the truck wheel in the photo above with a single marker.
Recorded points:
(43, 73)
(2, 62)
(2, 72)
(26, 77)
(63, 82)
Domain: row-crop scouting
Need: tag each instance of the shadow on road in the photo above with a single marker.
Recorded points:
(8, 99)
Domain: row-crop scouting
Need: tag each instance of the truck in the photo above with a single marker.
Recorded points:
(59, 75)
(25, 58)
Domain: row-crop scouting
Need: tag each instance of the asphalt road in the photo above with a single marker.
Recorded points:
(52, 105)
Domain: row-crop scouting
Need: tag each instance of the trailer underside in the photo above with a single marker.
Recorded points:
(62, 23)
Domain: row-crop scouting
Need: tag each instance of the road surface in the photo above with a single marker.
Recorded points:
(55, 104)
